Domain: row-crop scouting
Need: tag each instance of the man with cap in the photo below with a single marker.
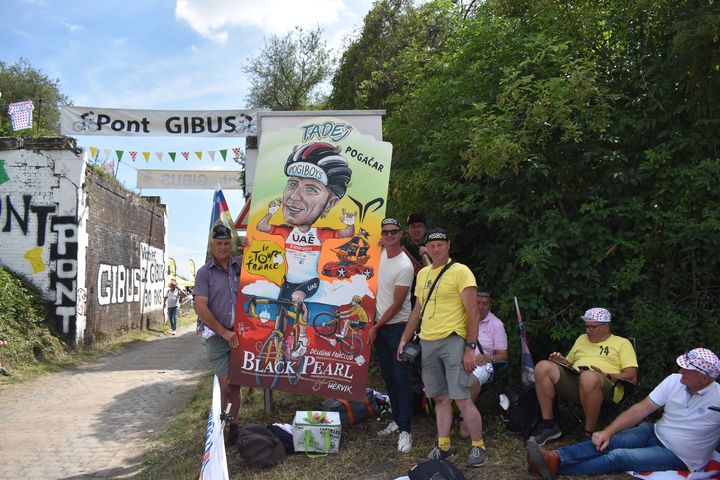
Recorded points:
(392, 307)
(318, 177)
(216, 292)
(414, 247)
(599, 359)
(491, 347)
(683, 439)
(448, 319)
(415, 243)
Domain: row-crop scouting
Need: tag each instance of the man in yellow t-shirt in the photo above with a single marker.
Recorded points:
(448, 354)
(601, 359)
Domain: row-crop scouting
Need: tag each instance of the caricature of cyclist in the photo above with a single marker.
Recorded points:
(318, 177)
(353, 314)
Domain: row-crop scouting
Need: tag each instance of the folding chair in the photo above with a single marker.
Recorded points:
(610, 409)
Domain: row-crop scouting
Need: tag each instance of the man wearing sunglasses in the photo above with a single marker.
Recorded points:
(599, 359)
(395, 276)
(683, 439)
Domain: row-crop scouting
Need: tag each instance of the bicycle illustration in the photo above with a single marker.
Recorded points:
(87, 123)
(327, 324)
(85, 126)
(275, 355)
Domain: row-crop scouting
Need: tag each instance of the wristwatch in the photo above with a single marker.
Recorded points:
(472, 345)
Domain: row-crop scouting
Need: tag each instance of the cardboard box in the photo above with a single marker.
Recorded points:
(316, 431)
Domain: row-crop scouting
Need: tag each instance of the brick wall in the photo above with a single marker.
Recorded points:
(95, 250)
(125, 258)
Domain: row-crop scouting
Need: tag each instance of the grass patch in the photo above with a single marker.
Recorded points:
(177, 454)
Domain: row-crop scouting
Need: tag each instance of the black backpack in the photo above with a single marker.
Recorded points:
(523, 412)
(258, 447)
(435, 470)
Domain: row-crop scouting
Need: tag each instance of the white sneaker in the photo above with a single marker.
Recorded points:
(389, 430)
(405, 442)
(173, 332)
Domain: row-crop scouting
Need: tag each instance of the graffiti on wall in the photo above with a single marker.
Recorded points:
(64, 269)
(128, 284)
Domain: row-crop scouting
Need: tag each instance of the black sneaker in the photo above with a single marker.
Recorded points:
(438, 454)
(544, 433)
(5, 372)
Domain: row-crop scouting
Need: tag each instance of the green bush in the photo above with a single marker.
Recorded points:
(23, 324)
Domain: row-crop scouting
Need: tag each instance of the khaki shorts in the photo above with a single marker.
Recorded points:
(443, 372)
(568, 387)
(219, 354)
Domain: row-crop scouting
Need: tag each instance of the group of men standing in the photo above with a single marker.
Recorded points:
(446, 314)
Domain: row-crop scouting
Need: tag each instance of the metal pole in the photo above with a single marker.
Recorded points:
(267, 402)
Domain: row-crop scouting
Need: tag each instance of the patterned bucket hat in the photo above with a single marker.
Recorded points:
(702, 360)
(597, 315)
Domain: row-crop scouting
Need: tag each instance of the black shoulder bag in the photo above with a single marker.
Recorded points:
(412, 352)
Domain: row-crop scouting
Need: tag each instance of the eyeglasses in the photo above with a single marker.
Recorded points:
(690, 362)
(385, 233)
(592, 328)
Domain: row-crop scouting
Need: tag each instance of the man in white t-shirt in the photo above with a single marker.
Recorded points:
(395, 276)
(683, 439)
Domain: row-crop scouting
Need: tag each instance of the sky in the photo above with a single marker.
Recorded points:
(163, 55)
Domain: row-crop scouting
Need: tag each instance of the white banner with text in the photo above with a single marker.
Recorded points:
(157, 123)
(189, 179)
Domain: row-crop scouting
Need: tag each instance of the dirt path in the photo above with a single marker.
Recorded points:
(95, 421)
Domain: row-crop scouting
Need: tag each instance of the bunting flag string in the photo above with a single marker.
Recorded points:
(108, 154)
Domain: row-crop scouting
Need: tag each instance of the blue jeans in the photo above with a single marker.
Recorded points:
(634, 449)
(395, 374)
(172, 315)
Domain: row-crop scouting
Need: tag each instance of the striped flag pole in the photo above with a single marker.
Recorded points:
(527, 372)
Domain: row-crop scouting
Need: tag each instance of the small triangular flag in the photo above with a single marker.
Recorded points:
(199, 155)
(212, 155)
(146, 156)
(159, 155)
(106, 151)
(93, 152)
(223, 154)
(133, 155)
(172, 155)
(119, 154)
(185, 154)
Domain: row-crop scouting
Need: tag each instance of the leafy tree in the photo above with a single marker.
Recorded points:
(572, 148)
(289, 72)
(20, 81)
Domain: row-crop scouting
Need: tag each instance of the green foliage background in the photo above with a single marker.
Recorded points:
(570, 147)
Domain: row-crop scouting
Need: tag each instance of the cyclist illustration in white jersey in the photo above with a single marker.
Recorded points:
(318, 177)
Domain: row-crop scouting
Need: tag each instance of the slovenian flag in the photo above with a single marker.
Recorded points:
(220, 214)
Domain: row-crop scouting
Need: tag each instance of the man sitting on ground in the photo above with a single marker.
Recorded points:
(602, 359)
(683, 439)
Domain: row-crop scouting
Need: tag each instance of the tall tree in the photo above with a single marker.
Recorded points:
(289, 71)
(20, 81)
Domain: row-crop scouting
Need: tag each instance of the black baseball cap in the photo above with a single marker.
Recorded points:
(221, 232)
(416, 218)
(437, 233)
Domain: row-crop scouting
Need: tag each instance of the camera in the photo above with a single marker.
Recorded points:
(411, 353)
